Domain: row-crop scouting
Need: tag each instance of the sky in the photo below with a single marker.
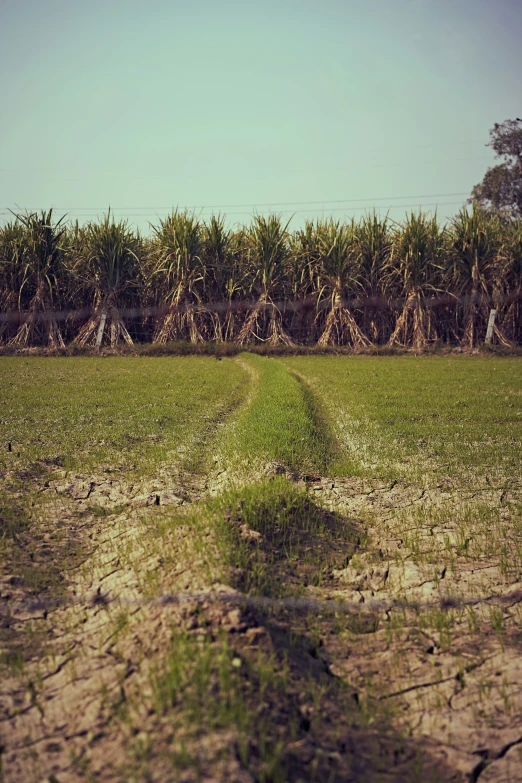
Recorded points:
(303, 107)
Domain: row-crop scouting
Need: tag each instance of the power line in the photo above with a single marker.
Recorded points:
(284, 212)
(353, 209)
(253, 206)
(126, 215)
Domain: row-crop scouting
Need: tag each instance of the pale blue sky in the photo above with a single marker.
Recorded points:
(149, 105)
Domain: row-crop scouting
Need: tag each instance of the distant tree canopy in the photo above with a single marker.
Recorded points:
(501, 188)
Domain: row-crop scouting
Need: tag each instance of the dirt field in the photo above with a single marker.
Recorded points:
(255, 569)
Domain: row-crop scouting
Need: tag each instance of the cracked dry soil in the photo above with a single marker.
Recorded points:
(444, 651)
(420, 671)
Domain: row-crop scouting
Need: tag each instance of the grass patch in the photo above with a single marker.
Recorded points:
(269, 538)
(279, 541)
(283, 423)
(400, 416)
(206, 686)
(126, 411)
(220, 697)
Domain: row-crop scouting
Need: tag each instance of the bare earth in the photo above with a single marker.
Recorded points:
(430, 649)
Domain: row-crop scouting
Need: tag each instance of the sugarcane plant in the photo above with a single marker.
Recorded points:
(474, 251)
(373, 242)
(339, 275)
(509, 281)
(222, 281)
(302, 272)
(412, 273)
(177, 271)
(106, 266)
(233, 286)
(266, 254)
(36, 261)
(12, 237)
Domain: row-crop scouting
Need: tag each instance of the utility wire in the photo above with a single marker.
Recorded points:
(282, 212)
(262, 204)
(287, 211)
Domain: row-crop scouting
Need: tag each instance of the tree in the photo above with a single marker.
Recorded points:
(222, 282)
(501, 188)
(12, 252)
(509, 281)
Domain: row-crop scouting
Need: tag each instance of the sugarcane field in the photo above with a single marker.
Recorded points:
(232, 553)
(260, 392)
(367, 284)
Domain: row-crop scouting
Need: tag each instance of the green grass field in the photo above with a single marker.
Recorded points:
(81, 412)
(268, 569)
(404, 413)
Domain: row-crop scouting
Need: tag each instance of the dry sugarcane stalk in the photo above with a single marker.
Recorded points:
(414, 325)
(276, 333)
(93, 332)
(341, 327)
